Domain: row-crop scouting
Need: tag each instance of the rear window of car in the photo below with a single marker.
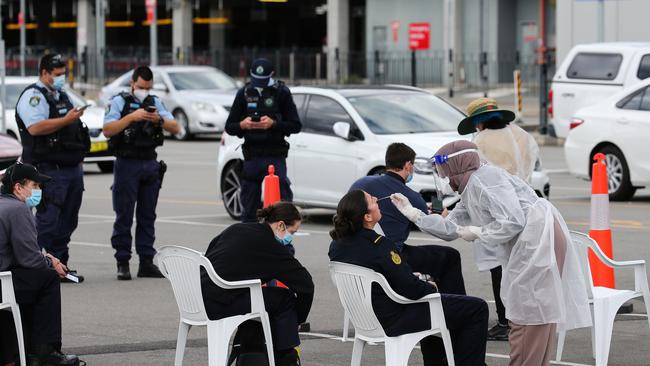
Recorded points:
(595, 66)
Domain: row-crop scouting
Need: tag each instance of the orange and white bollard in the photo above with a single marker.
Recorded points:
(271, 187)
(600, 230)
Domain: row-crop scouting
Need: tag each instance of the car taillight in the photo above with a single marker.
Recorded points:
(575, 122)
(550, 103)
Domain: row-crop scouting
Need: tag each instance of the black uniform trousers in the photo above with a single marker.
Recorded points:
(253, 173)
(496, 273)
(279, 304)
(440, 262)
(38, 293)
(466, 319)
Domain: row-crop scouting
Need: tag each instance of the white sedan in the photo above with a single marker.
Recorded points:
(93, 117)
(618, 127)
(199, 97)
(344, 136)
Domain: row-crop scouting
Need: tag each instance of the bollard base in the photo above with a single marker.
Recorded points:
(626, 308)
(304, 327)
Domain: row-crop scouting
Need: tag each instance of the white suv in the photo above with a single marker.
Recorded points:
(344, 136)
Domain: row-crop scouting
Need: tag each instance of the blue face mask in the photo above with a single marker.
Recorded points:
(409, 178)
(286, 240)
(59, 82)
(34, 199)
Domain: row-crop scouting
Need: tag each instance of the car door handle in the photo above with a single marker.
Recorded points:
(623, 121)
(568, 95)
(301, 146)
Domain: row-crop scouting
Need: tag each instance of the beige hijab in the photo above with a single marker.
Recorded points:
(460, 167)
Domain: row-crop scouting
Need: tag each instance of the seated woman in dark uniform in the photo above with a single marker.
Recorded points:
(356, 243)
(263, 250)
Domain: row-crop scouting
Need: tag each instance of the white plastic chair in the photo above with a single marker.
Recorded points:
(604, 301)
(182, 267)
(8, 302)
(354, 285)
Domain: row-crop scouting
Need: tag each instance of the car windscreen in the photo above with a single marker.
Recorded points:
(401, 113)
(201, 80)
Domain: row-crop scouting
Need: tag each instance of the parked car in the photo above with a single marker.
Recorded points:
(93, 117)
(344, 137)
(592, 72)
(199, 97)
(10, 151)
(618, 127)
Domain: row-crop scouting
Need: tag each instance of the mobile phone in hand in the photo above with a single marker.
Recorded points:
(436, 205)
(82, 108)
(151, 108)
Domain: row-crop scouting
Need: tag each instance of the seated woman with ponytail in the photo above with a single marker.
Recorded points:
(356, 243)
(259, 250)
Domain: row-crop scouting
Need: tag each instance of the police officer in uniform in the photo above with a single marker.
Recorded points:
(263, 114)
(134, 123)
(55, 141)
(356, 243)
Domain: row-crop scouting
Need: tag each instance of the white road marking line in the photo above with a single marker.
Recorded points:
(87, 244)
(493, 355)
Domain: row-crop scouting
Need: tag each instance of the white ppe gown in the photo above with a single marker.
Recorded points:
(519, 227)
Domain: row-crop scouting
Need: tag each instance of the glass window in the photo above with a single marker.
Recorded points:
(13, 93)
(632, 102)
(645, 103)
(201, 80)
(644, 68)
(595, 66)
(322, 114)
(406, 112)
(299, 100)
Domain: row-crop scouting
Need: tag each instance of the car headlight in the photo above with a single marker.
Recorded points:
(203, 107)
(422, 166)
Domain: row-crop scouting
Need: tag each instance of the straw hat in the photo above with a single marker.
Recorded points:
(478, 107)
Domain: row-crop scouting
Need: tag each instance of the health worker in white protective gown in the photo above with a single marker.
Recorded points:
(542, 287)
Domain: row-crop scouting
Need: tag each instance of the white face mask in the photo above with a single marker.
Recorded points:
(141, 94)
(446, 188)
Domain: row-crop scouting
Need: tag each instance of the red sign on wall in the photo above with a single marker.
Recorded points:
(150, 5)
(394, 25)
(419, 36)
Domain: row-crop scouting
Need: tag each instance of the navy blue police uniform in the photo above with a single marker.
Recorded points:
(59, 155)
(466, 316)
(137, 176)
(262, 148)
(441, 262)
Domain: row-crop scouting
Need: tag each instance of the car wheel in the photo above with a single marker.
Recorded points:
(184, 123)
(106, 166)
(618, 174)
(231, 190)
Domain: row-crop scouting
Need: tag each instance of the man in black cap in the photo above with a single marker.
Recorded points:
(263, 114)
(35, 275)
(55, 141)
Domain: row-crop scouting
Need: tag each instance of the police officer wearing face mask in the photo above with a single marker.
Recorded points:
(55, 141)
(134, 123)
(263, 114)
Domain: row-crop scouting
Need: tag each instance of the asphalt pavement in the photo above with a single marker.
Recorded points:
(135, 322)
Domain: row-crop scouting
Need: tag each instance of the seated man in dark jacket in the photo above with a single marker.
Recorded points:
(35, 276)
(356, 243)
(259, 251)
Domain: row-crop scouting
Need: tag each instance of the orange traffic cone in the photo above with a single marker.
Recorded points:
(271, 187)
(599, 228)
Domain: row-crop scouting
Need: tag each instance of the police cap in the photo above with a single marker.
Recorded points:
(261, 72)
(50, 62)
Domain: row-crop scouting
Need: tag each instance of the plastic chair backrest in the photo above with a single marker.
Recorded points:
(354, 284)
(182, 266)
(7, 296)
(582, 245)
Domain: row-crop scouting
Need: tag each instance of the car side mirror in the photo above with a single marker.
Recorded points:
(160, 87)
(342, 130)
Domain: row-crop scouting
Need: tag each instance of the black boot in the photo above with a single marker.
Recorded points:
(148, 269)
(123, 271)
(48, 355)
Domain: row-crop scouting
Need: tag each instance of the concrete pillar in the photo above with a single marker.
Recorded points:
(181, 30)
(217, 39)
(85, 25)
(338, 26)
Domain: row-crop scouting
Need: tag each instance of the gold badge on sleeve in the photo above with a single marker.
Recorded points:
(395, 257)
